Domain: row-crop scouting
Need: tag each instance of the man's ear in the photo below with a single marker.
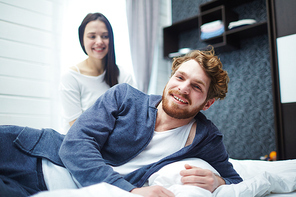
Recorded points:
(208, 104)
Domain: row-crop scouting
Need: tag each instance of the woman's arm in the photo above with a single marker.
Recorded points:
(72, 122)
(70, 98)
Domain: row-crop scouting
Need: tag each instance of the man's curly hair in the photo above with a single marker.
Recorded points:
(212, 65)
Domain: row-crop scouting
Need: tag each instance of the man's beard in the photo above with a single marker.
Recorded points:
(174, 111)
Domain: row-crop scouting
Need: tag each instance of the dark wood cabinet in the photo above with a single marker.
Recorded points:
(281, 15)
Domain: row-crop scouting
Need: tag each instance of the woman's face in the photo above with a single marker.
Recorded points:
(96, 39)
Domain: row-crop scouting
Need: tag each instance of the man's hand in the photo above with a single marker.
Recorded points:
(153, 191)
(200, 177)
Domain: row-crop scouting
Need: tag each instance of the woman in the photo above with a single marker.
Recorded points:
(85, 82)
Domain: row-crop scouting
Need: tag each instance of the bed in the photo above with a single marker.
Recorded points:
(261, 178)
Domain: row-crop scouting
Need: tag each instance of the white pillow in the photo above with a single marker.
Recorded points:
(170, 174)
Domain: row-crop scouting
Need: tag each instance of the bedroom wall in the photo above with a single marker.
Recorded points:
(29, 68)
(246, 116)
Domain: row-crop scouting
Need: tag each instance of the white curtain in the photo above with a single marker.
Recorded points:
(142, 18)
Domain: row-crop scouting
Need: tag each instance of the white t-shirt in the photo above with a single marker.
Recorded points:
(78, 92)
(162, 145)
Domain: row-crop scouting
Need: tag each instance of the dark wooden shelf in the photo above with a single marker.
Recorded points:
(211, 11)
(249, 30)
(171, 34)
(184, 25)
(215, 3)
(233, 36)
(212, 15)
(215, 40)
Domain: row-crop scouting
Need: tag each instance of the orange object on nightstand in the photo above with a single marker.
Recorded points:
(272, 156)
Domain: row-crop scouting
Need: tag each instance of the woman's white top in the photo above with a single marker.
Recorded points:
(162, 145)
(78, 92)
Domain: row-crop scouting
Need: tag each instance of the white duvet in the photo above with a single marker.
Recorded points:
(261, 178)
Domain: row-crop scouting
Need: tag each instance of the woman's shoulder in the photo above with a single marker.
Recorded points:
(75, 68)
(73, 72)
(70, 78)
(69, 74)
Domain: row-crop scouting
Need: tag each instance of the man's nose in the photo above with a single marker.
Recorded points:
(184, 88)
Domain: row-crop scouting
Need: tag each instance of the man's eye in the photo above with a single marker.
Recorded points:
(197, 87)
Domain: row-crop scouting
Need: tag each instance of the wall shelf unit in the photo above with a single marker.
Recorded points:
(171, 34)
(212, 11)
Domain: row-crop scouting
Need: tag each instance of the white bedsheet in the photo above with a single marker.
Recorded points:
(261, 178)
(97, 190)
(260, 185)
(266, 177)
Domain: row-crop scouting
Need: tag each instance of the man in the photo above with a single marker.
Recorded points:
(127, 135)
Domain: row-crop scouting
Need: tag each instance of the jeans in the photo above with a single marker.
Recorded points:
(20, 173)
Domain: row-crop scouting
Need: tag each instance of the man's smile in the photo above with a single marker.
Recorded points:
(179, 99)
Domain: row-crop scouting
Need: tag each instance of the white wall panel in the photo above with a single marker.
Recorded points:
(29, 62)
(41, 6)
(25, 17)
(30, 70)
(24, 87)
(23, 105)
(20, 51)
(22, 34)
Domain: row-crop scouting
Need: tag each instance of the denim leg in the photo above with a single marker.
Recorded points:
(19, 172)
(11, 188)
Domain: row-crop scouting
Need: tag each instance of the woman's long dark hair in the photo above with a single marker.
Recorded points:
(112, 70)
